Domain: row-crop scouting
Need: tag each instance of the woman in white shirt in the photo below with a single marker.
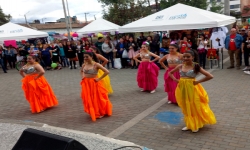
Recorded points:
(107, 48)
(202, 50)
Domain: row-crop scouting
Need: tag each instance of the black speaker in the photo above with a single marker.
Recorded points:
(32, 139)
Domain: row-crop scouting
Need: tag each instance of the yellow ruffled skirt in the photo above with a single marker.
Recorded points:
(193, 100)
(106, 81)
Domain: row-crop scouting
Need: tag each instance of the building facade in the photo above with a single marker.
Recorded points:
(235, 5)
(55, 27)
(245, 8)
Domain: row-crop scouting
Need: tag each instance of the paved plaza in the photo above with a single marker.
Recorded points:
(142, 118)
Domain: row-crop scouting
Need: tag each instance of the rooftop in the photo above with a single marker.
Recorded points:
(54, 26)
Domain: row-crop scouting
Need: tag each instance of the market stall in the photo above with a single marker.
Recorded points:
(11, 31)
(99, 25)
(178, 17)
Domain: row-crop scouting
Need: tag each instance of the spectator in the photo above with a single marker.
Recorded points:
(193, 39)
(121, 47)
(202, 50)
(1, 59)
(64, 60)
(46, 55)
(87, 45)
(243, 33)
(55, 55)
(107, 49)
(27, 46)
(99, 43)
(71, 54)
(246, 52)
(132, 52)
(233, 43)
(141, 39)
(9, 57)
(80, 51)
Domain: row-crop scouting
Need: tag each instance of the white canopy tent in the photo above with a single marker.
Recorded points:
(99, 25)
(11, 31)
(178, 17)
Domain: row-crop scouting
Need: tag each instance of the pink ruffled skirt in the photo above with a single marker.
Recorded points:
(147, 76)
(132, 53)
(170, 85)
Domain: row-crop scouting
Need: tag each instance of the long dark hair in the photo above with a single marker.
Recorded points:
(175, 45)
(97, 50)
(109, 43)
(91, 54)
(196, 65)
(34, 57)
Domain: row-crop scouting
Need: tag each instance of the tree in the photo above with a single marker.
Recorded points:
(202, 4)
(216, 7)
(235, 14)
(122, 12)
(3, 17)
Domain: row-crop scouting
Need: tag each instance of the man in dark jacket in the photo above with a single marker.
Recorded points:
(121, 47)
(141, 39)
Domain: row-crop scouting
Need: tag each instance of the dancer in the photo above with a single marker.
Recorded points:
(105, 80)
(191, 96)
(174, 59)
(94, 95)
(36, 89)
(148, 71)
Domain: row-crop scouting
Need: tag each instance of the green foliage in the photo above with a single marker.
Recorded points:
(216, 7)
(202, 4)
(122, 12)
(4, 18)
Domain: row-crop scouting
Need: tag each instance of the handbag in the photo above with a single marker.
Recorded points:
(75, 59)
(117, 63)
(124, 54)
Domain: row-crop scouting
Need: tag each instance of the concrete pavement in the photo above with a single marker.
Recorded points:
(140, 117)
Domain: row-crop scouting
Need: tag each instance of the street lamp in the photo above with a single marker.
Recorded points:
(43, 19)
(25, 17)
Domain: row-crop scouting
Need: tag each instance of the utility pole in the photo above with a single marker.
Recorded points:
(227, 10)
(67, 25)
(69, 16)
(227, 7)
(86, 17)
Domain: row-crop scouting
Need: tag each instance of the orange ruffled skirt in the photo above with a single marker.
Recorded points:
(193, 100)
(95, 98)
(38, 93)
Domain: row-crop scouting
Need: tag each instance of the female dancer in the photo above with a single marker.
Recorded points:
(94, 95)
(191, 96)
(147, 71)
(106, 80)
(36, 89)
(174, 59)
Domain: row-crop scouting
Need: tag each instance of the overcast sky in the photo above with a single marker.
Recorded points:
(50, 9)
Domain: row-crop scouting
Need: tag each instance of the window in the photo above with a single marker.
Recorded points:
(215, 1)
(235, 6)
